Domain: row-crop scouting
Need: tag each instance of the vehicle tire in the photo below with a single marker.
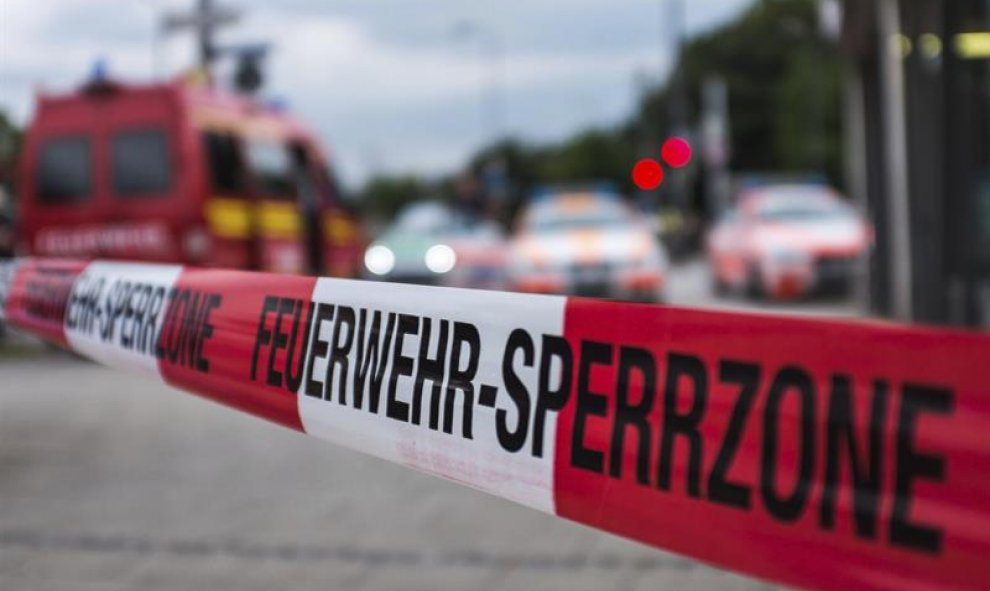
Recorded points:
(754, 284)
(645, 297)
(719, 287)
(654, 298)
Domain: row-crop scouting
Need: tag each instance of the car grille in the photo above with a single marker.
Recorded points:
(829, 268)
(592, 280)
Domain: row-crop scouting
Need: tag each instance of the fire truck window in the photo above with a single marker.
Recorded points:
(271, 163)
(226, 171)
(64, 172)
(307, 183)
(140, 163)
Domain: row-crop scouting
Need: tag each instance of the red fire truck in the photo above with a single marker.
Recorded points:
(174, 172)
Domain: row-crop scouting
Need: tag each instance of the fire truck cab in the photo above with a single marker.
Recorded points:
(177, 173)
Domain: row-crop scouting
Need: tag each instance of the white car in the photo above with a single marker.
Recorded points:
(430, 244)
(785, 241)
(586, 243)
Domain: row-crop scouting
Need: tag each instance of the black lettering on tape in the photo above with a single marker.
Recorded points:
(866, 471)
(787, 508)
(110, 316)
(680, 365)
(280, 340)
(340, 347)
(148, 338)
(720, 488)
(205, 331)
(318, 349)
(547, 399)
(177, 334)
(164, 336)
(129, 313)
(190, 338)
(372, 358)
(262, 338)
(294, 361)
(510, 439)
(402, 365)
(462, 379)
(630, 414)
(487, 395)
(430, 368)
(589, 403)
(911, 465)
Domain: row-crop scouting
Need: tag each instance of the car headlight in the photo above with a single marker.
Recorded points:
(379, 259)
(440, 258)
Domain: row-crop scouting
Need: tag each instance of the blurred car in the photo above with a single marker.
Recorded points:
(785, 241)
(428, 243)
(588, 244)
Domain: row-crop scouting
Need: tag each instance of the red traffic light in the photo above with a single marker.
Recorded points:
(676, 152)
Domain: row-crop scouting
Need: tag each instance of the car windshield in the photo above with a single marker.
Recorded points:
(811, 207)
(565, 214)
(424, 218)
(272, 165)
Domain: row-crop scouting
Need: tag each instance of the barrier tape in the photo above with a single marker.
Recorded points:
(821, 454)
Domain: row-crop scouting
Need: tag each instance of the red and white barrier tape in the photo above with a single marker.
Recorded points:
(821, 454)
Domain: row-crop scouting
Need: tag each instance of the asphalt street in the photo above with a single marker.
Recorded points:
(109, 481)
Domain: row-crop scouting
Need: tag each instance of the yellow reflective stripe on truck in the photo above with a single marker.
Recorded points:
(236, 218)
(278, 220)
(228, 218)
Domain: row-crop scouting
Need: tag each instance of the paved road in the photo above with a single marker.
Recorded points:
(110, 482)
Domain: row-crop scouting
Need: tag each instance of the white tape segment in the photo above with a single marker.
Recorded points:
(119, 313)
(483, 464)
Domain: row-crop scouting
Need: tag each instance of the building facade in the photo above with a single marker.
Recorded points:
(918, 130)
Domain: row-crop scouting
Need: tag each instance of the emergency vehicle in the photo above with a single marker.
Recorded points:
(586, 242)
(784, 241)
(175, 172)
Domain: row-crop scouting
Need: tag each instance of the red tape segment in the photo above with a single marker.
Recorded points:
(820, 454)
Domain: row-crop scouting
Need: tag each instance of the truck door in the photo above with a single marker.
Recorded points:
(311, 204)
(278, 225)
(229, 240)
(341, 237)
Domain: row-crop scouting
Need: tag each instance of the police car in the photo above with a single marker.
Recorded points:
(783, 241)
(586, 243)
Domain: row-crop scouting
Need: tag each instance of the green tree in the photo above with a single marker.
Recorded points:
(11, 139)
(784, 82)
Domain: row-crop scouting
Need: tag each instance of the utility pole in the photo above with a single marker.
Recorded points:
(204, 20)
(678, 87)
(715, 144)
(491, 53)
(679, 125)
(895, 142)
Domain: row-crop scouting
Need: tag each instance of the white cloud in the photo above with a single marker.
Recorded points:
(384, 82)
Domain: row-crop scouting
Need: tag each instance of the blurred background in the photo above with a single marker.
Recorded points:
(809, 149)
(822, 157)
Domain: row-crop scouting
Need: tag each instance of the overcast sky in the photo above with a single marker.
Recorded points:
(390, 85)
